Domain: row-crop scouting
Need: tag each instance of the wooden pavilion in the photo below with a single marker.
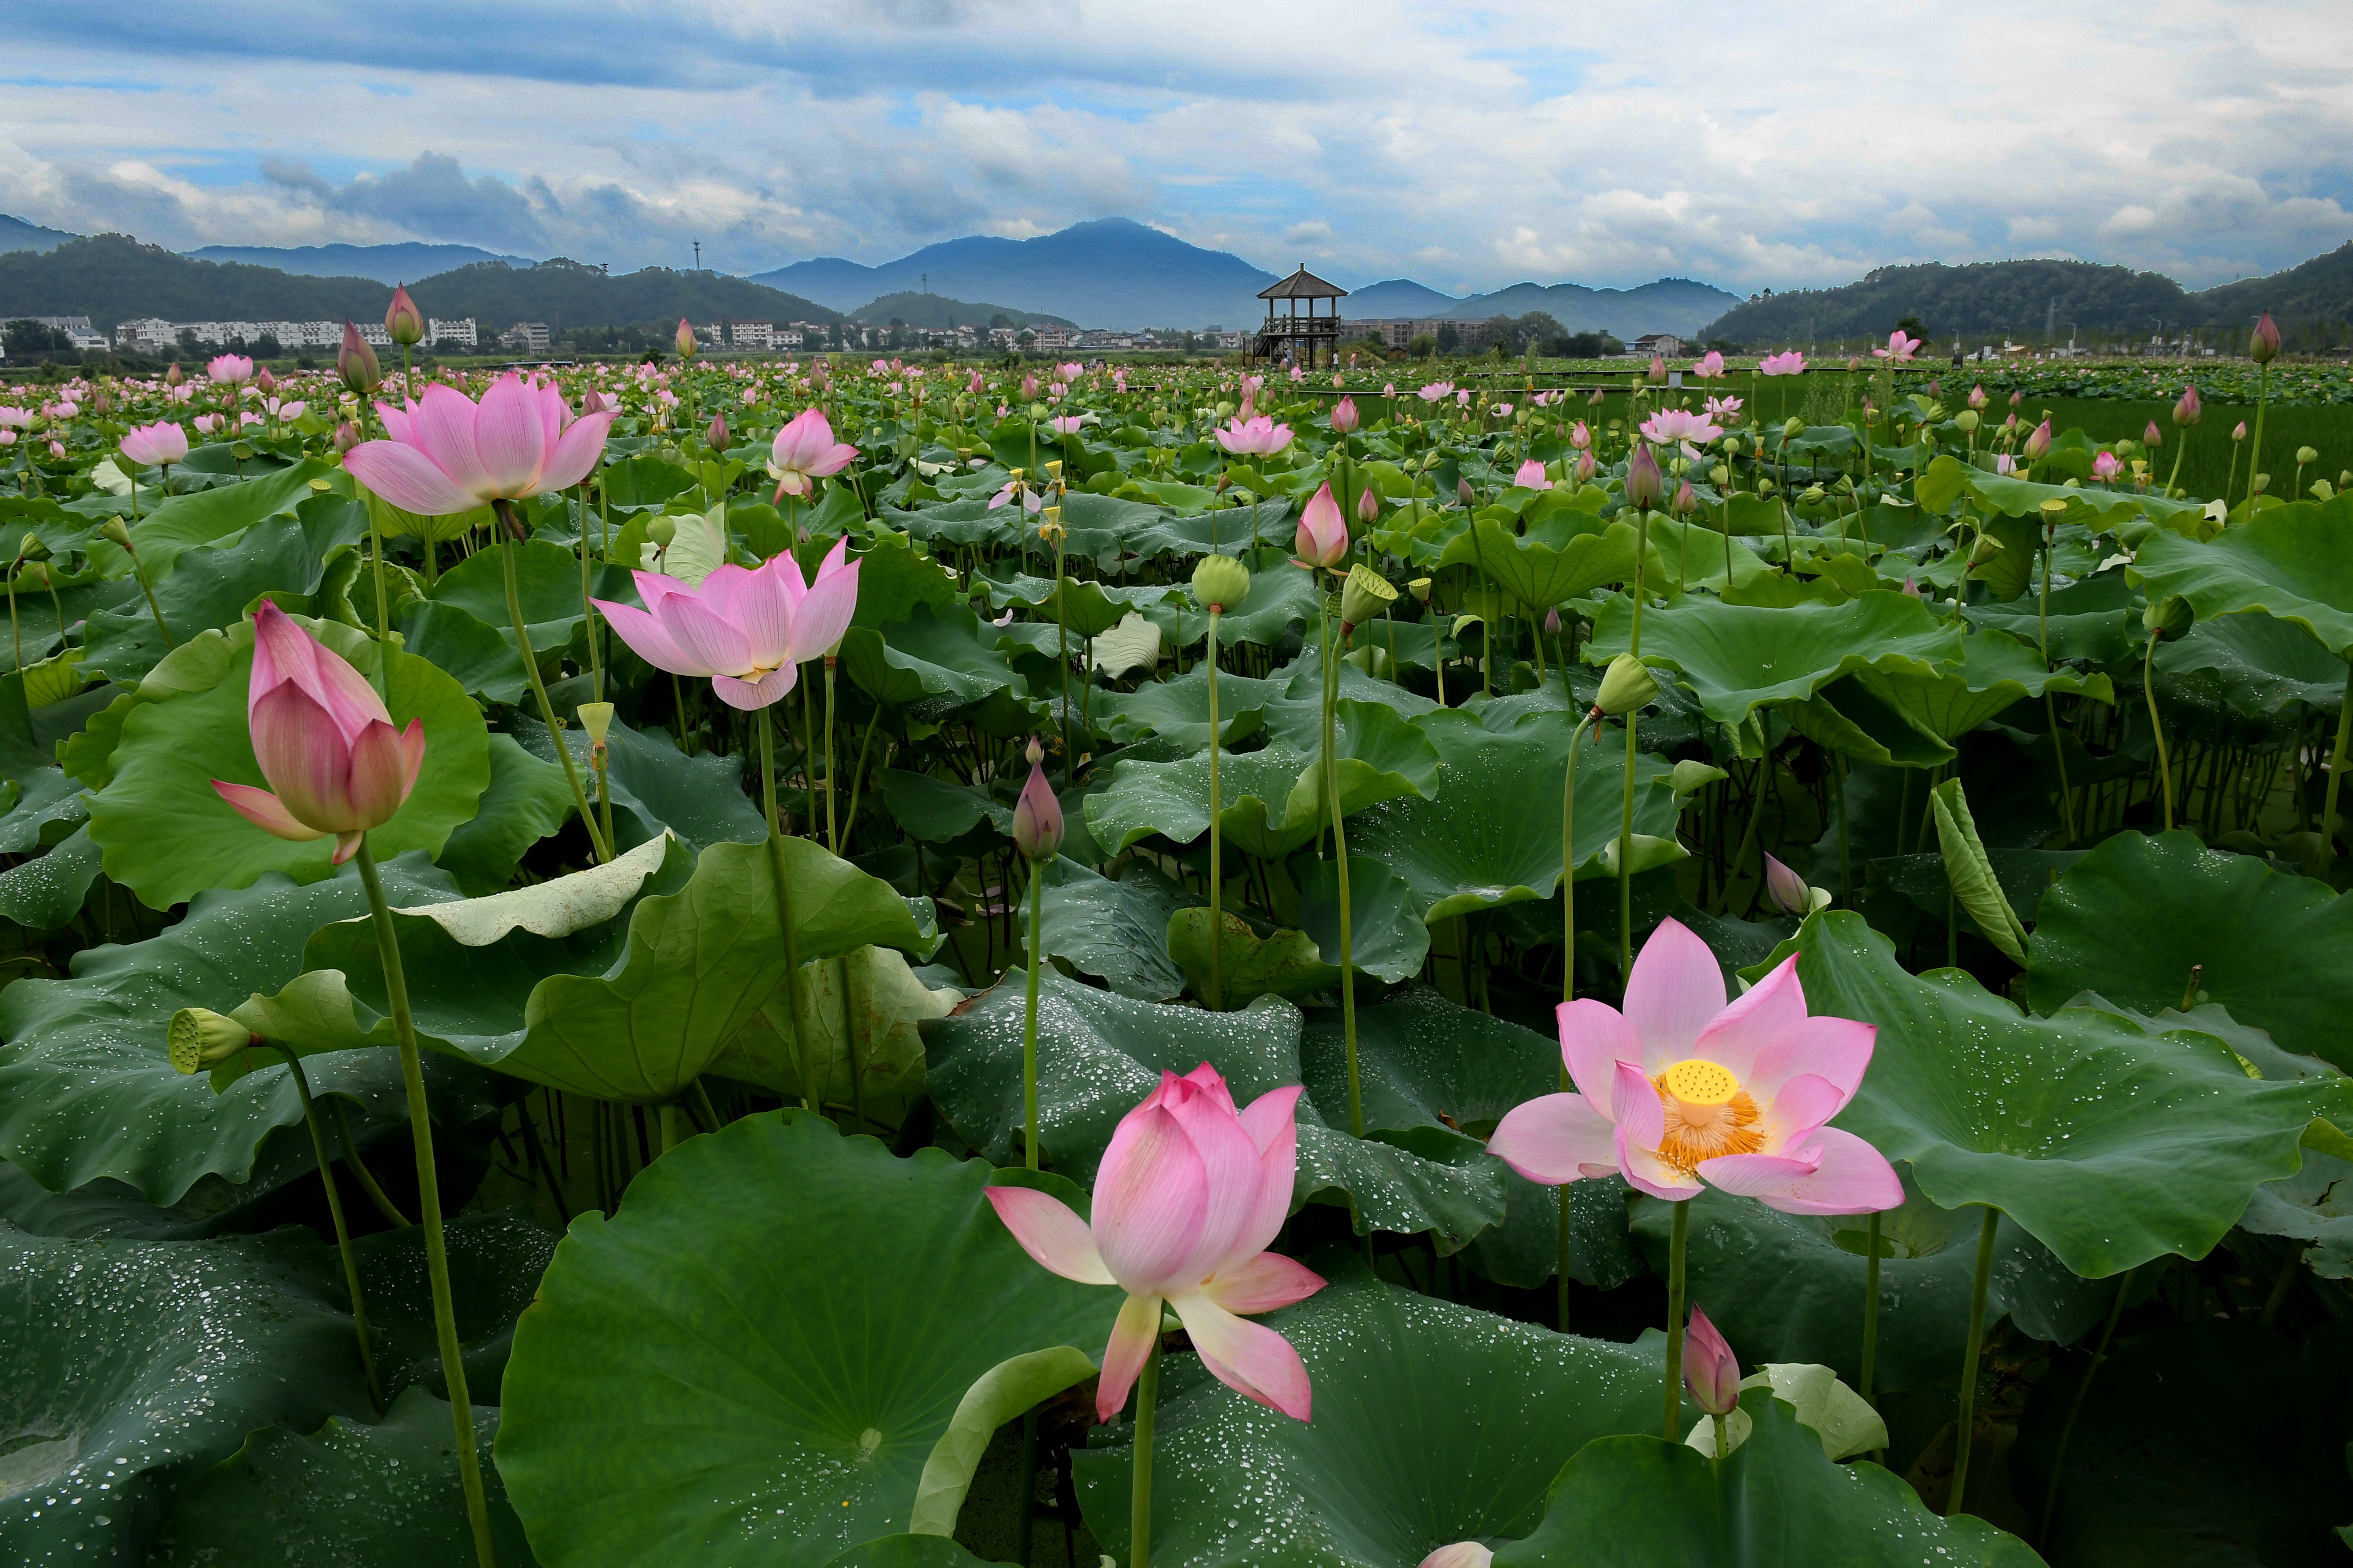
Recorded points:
(1297, 334)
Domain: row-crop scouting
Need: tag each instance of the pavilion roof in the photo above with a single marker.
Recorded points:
(1303, 285)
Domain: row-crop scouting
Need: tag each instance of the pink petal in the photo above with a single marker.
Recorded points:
(824, 613)
(346, 846)
(655, 587)
(1131, 1342)
(1847, 1176)
(1248, 1358)
(1646, 1172)
(412, 756)
(284, 654)
(1263, 1283)
(1236, 1175)
(1837, 1049)
(265, 811)
(574, 454)
(1272, 1115)
(703, 636)
(1634, 1105)
(1748, 1028)
(1278, 1167)
(511, 438)
(647, 638)
(305, 760)
(1151, 1201)
(1804, 1103)
(1048, 1232)
(835, 559)
(1675, 992)
(758, 602)
(1594, 1038)
(408, 478)
(443, 429)
(751, 696)
(1557, 1139)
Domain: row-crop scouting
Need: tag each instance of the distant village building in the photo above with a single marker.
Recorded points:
(149, 334)
(752, 335)
(1396, 332)
(1045, 336)
(438, 330)
(1664, 345)
(77, 329)
(529, 337)
(153, 334)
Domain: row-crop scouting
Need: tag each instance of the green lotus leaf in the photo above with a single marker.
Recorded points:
(2288, 562)
(655, 786)
(1008, 1389)
(1284, 963)
(1172, 799)
(887, 1003)
(1178, 710)
(2131, 919)
(527, 800)
(2109, 1145)
(1739, 656)
(547, 585)
(1566, 554)
(622, 982)
(1692, 556)
(184, 520)
(1387, 937)
(46, 892)
(350, 1495)
(2252, 666)
(2096, 620)
(1996, 671)
(1791, 1287)
(1280, 598)
(88, 1091)
(1778, 1499)
(2016, 497)
(167, 833)
(1116, 931)
(1099, 1054)
(1857, 721)
(1433, 1423)
(1423, 1061)
(931, 664)
(1489, 835)
(911, 1551)
(690, 1386)
(474, 654)
(1378, 754)
(893, 577)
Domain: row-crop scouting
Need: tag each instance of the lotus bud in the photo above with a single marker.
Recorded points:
(597, 719)
(1625, 685)
(1221, 583)
(1658, 369)
(716, 435)
(1911, 589)
(265, 383)
(403, 322)
(1363, 595)
(2238, 431)
(684, 339)
(114, 530)
(347, 437)
(34, 574)
(1368, 506)
(1552, 622)
(2306, 455)
(1643, 483)
(1038, 815)
(1977, 396)
(2189, 410)
(1967, 421)
(1788, 891)
(1419, 586)
(1343, 416)
(172, 376)
(1034, 753)
(2170, 616)
(1460, 1555)
(1687, 499)
(1792, 428)
(198, 1038)
(2264, 343)
(2016, 398)
(662, 530)
(2038, 444)
(1464, 493)
(1710, 1371)
(2258, 484)
(1223, 481)
(1585, 467)
(1985, 550)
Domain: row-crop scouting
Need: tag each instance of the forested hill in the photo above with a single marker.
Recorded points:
(2020, 296)
(111, 277)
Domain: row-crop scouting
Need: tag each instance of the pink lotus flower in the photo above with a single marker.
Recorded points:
(2038, 443)
(1790, 363)
(1067, 424)
(805, 450)
(150, 445)
(1671, 425)
(1789, 890)
(209, 424)
(323, 740)
(2003, 463)
(1368, 506)
(450, 455)
(1259, 437)
(1321, 539)
(1711, 367)
(1189, 1195)
(1579, 436)
(1681, 1090)
(1657, 372)
(1028, 389)
(2238, 431)
(2106, 466)
(1585, 467)
(714, 436)
(1710, 1371)
(1977, 396)
(2190, 409)
(403, 321)
(684, 339)
(595, 402)
(2264, 343)
(1532, 476)
(1723, 407)
(1643, 482)
(1460, 1555)
(1343, 416)
(230, 370)
(1437, 392)
(974, 385)
(2152, 437)
(1900, 349)
(747, 630)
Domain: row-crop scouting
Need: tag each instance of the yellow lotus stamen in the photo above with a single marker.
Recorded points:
(1707, 1114)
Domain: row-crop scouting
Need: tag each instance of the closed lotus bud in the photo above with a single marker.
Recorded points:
(1789, 892)
(112, 530)
(1985, 550)
(2260, 483)
(403, 322)
(597, 719)
(172, 376)
(355, 362)
(684, 339)
(1464, 493)
(2168, 617)
(1552, 622)
(716, 435)
(2152, 437)
(1363, 595)
(1643, 482)
(1461, 1554)
(2264, 343)
(1625, 685)
(2189, 410)
(662, 530)
(1038, 815)
(1710, 1371)
(1966, 421)
(265, 383)
(33, 547)
(1658, 369)
(198, 1037)
(1343, 416)
(1221, 583)
(1585, 467)
(1687, 499)
(2038, 443)
(1977, 396)
(1034, 753)
(347, 436)
(2306, 455)
(34, 574)
(1368, 506)
(1792, 428)
(1911, 589)
(2238, 431)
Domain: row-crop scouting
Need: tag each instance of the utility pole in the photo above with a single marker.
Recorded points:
(698, 256)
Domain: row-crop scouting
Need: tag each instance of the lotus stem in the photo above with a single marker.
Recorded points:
(510, 529)
(1870, 1308)
(668, 1112)
(2156, 727)
(152, 607)
(1671, 1427)
(360, 1171)
(336, 1213)
(1340, 862)
(2255, 448)
(832, 829)
(1964, 1428)
(810, 1098)
(1030, 1015)
(429, 1200)
(589, 617)
(1147, 1395)
(376, 535)
(2335, 773)
(2076, 1406)
(808, 752)
(1217, 838)
(1626, 812)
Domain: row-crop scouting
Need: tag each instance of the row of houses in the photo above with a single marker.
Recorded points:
(153, 334)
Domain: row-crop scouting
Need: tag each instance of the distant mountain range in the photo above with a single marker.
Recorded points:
(15, 234)
(384, 263)
(938, 311)
(1675, 305)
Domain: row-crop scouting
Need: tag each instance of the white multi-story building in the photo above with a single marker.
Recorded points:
(533, 337)
(1047, 336)
(752, 335)
(458, 332)
(148, 332)
(155, 333)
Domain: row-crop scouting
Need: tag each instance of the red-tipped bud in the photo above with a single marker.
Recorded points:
(355, 362)
(1343, 416)
(1788, 891)
(684, 339)
(1643, 482)
(2238, 431)
(347, 437)
(1686, 502)
(2190, 409)
(403, 322)
(717, 435)
(2038, 444)
(1710, 1371)
(1368, 505)
(1038, 815)
(2264, 343)
(2152, 437)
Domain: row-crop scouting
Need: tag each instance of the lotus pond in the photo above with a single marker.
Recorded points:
(892, 964)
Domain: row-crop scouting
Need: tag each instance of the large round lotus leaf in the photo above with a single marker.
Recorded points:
(86, 1088)
(127, 1367)
(888, 1002)
(2109, 1145)
(933, 663)
(1558, 558)
(1489, 833)
(547, 585)
(910, 1551)
(1099, 1054)
(655, 786)
(2252, 666)
(2214, 1443)
(527, 800)
(751, 1362)
(1996, 670)
(169, 835)
(348, 1496)
(1791, 1287)
(2133, 916)
(2287, 562)
(1777, 1502)
(1177, 710)
(1172, 799)
(495, 1262)
(1433, 1422)
(1115, 929)
(1738, 655)
(1424, 1061)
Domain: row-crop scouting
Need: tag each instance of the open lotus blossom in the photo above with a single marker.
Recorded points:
(2106, 466)
(230, 370)
(1190, 1193)
(1679, 425)
(336, 765)
(1013, 489)
(448, 454)
(1900, 348)
(1723, 407)
(1321, 539)
(1532, 476)
(1066, 423)
(1437, 392)
(804, 450)
(746, 630)
(150, 445)
(1710, 367)
(1791, 361)
(1681, 1090)
(1258, 437)
(1460, 1555)
(209, 424)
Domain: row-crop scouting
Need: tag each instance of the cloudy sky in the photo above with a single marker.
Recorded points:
(1467, 146)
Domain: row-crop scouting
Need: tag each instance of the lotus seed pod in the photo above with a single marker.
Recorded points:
(597, 719)
(1363, 595)
(1221, 583)
(198, 1037)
